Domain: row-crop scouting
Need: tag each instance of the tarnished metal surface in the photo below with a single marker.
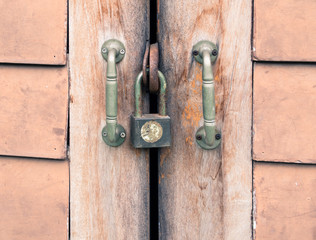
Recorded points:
(153, 68)
(162, 94)
(146, 65)
(142, 139)
(207, 136)
(113, 52)
(150, 130)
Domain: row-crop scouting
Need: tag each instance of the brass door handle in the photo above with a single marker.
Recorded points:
(207, 136)
(113, 134)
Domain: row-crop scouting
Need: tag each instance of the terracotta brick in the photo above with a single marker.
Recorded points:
(33, 31)
(34, 199)
(284, 30)
(284, 113)
(284, 201)
(34, 111)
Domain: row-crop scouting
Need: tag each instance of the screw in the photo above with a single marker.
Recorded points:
(199, 137)
(104, 50)
(214, 52)
(195, 52)
(218, 136)
(122, 51)
(122, 134)
(105, 134)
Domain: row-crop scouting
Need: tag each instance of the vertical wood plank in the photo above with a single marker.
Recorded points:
(33, 31)
(206, 194)
(109, 186)
(34, 199)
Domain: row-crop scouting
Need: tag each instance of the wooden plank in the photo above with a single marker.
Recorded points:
(34, 199)
(34, 110)
(206, 194)
(109, 186)
(284, 113)
(33, 31)
(284, 30)
(284, 201)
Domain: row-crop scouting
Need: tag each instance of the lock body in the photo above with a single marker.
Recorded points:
(150, 131)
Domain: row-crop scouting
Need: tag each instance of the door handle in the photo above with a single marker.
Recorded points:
(207, 136)
(113, 134)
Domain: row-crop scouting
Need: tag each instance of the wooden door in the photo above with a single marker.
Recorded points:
(206, 194)
(203, 194)
(109, 186)
(200, 191)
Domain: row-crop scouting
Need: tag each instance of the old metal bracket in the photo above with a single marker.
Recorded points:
(150, 68)
(207, 136)
(113, 134)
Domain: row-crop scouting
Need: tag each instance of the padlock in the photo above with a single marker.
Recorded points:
(150, 130)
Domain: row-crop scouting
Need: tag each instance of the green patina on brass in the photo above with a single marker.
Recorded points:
(113, 52)
(207, 136)
(138, 94)
(150, 130)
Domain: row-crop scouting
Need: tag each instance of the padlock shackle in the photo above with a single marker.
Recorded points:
(138, 95)
(162, 94)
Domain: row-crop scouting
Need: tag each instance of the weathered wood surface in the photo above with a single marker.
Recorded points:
(284, 30)
(34, 199)
(33, 31)
(284, 201)
(206, 194)
(284, 113)
(109, 186)
(34, 111)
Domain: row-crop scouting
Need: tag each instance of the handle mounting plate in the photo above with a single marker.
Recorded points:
(200, 47)
(117, 45)
(200, 139)
(120, 131)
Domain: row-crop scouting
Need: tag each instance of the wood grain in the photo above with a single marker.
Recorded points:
(206, 194)
(109, 186)
(34, 111)
(284, 201)
(284, 113)
(34, 199)
(284, 30)
(33, 31)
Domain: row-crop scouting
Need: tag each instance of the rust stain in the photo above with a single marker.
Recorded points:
(162, 176)
(192, 112)
(164, 156)
(71, 98)
(189, 140)
(138, 152)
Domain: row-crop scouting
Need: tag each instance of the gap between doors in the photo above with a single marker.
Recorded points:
(153, 152)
